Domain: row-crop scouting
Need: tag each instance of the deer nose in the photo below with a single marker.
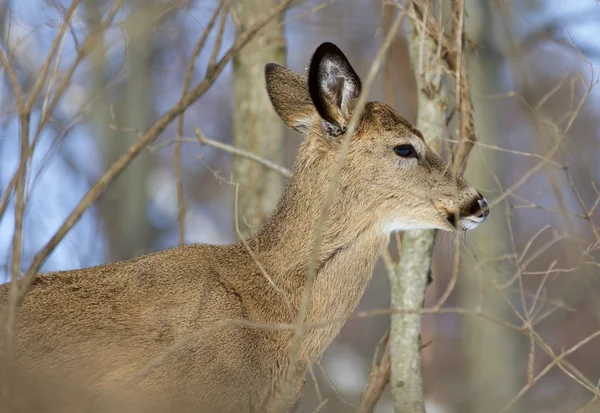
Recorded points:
(484, 209)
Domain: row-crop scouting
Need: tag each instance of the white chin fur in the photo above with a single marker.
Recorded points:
(390, 226)
(396, 225)
(468, 224)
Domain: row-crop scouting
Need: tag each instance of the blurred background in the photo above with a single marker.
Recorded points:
(533, 64)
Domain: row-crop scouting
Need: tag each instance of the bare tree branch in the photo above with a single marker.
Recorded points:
(379, 376)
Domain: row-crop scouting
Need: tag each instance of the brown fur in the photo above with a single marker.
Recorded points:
(81, 333)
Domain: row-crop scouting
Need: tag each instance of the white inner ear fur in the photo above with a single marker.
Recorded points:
(333, 71)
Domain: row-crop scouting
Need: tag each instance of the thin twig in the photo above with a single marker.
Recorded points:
(7, 193)
(241, 152)
(41, 79)
(378, 378)
(12, 78)
(219, 39)
(335, 390)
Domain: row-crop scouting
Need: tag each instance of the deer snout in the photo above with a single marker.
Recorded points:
(484, 209)
(471, 211)
(474, 214)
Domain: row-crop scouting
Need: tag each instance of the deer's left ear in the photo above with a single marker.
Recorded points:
(334, 87)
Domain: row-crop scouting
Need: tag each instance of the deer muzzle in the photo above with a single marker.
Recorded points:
(470, 217)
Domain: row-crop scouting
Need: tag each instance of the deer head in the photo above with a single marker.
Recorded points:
(391, 176)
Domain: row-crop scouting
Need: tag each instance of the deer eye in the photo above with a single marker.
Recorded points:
(405, 151)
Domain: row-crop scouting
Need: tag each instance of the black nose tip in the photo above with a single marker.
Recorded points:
(484, 209)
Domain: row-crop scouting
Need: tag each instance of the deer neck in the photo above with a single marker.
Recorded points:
(349, 250)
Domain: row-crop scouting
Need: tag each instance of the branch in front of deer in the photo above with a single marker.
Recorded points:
(17, 242)
(159, 359)
(154, 363)
(148, 137)
(177, 149)
(389, 69)
(328, 199)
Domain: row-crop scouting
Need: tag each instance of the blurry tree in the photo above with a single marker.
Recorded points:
(257, 128)
(489, 349)
(123, 207)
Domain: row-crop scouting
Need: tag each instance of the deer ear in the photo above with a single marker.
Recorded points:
(288, 92)
(334, 87)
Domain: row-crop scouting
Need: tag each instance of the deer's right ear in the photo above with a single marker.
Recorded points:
(334, 88)
(289, 95)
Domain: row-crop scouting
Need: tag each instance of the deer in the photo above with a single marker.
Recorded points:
(183, 329)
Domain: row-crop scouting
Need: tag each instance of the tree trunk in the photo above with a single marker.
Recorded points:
(257, 128)
(409, 279)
